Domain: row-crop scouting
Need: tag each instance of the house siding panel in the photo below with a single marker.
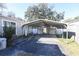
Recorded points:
(74, 27)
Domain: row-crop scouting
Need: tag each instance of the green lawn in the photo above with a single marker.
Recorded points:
(71, 46)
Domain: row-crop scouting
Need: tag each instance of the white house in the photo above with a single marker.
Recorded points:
(73, 26)
(13, 22)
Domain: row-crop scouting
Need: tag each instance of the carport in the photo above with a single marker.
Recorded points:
(42, 26)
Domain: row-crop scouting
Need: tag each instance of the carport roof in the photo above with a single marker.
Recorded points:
(46, 22)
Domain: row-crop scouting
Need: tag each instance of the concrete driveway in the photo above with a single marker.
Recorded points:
(37, 46)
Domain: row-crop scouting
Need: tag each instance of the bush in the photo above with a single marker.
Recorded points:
(1, 35)
(8, 33)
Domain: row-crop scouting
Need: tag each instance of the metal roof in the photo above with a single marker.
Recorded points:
(46, 22)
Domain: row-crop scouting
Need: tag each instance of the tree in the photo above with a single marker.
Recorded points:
(42, 11)
(60, 16)
(2, 6)
(11, 14)
(36, 11)
(32, 12)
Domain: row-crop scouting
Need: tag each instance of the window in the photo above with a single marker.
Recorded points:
(13, 24)
(10, 24)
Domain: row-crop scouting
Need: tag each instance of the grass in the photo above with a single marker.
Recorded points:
(71, 46)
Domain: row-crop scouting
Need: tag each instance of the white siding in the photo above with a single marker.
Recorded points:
(74, 27)
(18, 29)
(52, 31)
(30, 29)
(40, 30)
(1, 28)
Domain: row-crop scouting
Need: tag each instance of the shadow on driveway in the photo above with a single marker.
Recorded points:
(37, 49)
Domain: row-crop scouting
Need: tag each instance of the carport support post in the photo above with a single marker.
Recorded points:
(26, 31)
(62, 32)
(67, 34)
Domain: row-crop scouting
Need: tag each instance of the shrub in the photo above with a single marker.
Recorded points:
(8, 33)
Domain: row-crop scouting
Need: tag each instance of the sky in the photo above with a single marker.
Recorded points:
(71, 9)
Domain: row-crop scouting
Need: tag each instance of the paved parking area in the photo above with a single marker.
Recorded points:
(36, 46)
